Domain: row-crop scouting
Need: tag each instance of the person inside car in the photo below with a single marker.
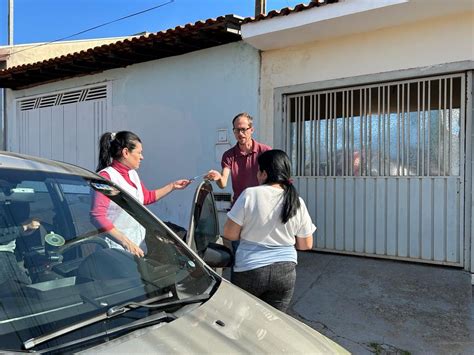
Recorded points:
(9, 233)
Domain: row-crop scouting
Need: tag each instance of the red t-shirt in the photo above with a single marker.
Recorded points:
(243, 167)
(101, 202)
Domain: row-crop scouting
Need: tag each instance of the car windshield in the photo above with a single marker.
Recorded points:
(60, 265)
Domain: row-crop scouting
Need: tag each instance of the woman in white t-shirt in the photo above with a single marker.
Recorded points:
(270, 220)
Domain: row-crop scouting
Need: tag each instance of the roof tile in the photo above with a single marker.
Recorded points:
(175, 41)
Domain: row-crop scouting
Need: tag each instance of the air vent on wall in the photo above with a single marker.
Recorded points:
(222, 196)
(64, 98)
(26, 105)
(70, 97)
(47, 101)
(96, 93)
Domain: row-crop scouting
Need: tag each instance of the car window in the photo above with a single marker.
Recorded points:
(32, 200)
(78, 198)
(71, 268)
(207, 226)
(204, 224)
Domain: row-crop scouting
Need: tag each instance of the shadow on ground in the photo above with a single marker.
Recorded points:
(383, 306)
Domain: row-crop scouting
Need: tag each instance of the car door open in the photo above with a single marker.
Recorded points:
(203, 232)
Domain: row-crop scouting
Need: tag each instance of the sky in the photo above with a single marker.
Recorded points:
(49, 20)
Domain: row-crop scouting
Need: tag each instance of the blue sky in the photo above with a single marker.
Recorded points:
(49, 20)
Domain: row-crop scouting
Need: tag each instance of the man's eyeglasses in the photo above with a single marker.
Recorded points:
(240, 130)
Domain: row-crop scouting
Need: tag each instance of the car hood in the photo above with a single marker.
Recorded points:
(232, 321)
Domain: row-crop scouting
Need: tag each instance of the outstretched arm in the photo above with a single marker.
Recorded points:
(220, 178)
(175, 185)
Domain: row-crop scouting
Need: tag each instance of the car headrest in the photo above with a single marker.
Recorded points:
(19, 210)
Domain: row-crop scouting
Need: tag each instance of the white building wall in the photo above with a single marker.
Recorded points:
(470, 197)
(427, 44)
(422, 44)
(176, 105)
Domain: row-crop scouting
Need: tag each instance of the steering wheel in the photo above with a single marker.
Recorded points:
(68, 266)
(79, 242)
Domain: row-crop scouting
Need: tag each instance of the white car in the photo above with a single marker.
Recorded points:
(64, 289)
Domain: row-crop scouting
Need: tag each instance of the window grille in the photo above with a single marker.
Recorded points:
(403, 128)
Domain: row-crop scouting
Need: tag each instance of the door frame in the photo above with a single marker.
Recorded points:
(467, 67)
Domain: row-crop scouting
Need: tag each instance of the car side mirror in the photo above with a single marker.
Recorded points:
(218, 256)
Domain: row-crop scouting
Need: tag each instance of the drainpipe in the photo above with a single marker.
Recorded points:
(3, 142)
(260, 6)
(10, 22)
(3, 120)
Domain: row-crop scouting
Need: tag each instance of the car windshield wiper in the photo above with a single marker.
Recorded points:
(115, 311)
(140, 323)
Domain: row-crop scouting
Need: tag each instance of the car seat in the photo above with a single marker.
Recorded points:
(20, 212)
(9, 268)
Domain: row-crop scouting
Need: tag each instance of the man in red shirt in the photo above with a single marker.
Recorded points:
(240, 161)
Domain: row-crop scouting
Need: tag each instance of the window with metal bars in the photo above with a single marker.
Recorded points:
(404, 128)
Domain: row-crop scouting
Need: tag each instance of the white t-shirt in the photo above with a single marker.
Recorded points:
(258, 212)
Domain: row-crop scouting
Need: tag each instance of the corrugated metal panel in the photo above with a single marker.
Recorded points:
(57, 131)
(404, 218)
(380, 167)
(67, 131)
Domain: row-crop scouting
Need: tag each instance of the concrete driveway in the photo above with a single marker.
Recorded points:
(385, 307)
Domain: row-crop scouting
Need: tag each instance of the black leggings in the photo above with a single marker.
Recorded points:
(273, 283)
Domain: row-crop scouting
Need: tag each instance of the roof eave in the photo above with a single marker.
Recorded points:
(177, 41)
(317, 23)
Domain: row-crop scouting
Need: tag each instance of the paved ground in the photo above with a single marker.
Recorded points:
(385, 307)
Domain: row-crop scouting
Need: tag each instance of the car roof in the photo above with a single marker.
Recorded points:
(9, 160)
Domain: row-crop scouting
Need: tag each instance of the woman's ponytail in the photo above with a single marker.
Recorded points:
(291, 202)
(277, 165)
(105, 158)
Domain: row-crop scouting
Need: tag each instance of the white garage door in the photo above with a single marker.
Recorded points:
(381, 167)
(63, 126)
